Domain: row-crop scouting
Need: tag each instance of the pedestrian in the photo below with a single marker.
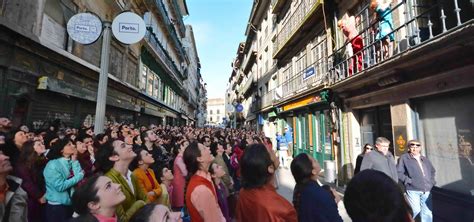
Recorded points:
(219, 159)
(179, 174)
(381, 159)
(61, 174)
(417, 173)
(367, 148)
(217, 173)
(13, 199)
(148, 139)
(289, 140)
(282, 147)
(165, 178)
(258, 199)
(201, 198)
(372, 196)
(145, 176)
(155, 213)
(85, 154)
(30, 170)
(113, 159)
(97, 199)
(311, 201)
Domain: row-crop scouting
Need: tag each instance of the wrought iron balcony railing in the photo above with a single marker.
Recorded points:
(294, 22)
(419, 24)
(158, 49)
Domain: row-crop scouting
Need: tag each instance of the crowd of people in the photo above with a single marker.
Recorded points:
(171, 173)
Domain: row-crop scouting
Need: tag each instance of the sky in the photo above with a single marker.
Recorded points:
(219, 26)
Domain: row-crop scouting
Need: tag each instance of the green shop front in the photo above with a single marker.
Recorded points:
(310, 119)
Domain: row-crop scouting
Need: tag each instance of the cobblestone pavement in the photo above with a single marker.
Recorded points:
(287, 184)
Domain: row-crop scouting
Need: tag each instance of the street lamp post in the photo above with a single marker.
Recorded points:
(103, 78)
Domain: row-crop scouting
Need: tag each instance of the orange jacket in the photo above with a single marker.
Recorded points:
(146, 184)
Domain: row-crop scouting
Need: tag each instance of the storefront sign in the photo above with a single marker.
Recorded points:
(128, 28)
(308, 73)
(302, 102)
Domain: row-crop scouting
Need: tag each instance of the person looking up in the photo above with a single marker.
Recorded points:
(146, 177)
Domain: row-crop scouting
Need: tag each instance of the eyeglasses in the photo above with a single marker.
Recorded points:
(415, 144)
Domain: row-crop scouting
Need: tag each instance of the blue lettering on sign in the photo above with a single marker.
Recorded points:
(128, 27)
(308, 73)
(82, 28)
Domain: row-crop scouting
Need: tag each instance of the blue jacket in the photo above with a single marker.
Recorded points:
(59, 187)
(289, 135)
(410, 174)
(317, 205)
(282, 144)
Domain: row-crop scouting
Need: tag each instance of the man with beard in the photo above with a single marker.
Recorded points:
(149, 138)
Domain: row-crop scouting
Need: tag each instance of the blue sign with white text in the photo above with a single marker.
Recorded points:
(308, 73)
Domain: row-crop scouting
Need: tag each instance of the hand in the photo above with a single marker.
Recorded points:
(151, 193)
(74, 155)
(42, 200)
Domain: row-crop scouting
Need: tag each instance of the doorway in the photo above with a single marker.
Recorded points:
(376, 122)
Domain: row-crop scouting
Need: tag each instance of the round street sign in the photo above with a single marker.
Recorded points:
(128, 28)
(239, 108)
(84, 28)
(230, 108)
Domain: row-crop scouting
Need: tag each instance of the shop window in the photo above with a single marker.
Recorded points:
(55, 17)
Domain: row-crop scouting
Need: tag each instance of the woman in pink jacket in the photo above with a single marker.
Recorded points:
(179, 181)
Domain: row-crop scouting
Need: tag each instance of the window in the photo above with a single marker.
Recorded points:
(210, 119)
(218, 111)
(156, 85)
(210, 111)
(149, 83)
(142, 83)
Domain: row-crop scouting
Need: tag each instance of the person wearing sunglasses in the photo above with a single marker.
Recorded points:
(417, 173)
(367, 148)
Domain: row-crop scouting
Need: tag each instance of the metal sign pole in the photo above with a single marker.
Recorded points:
(104, 72)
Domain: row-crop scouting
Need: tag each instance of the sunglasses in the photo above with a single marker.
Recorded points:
(415, 144)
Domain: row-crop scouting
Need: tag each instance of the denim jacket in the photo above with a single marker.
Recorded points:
(59, 185)
(410, 174)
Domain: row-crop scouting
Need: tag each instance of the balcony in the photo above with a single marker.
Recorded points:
(247, 87)
(416, 38)
(278, 5)
(267, 99)
(165, 58)
(297, 29)
(161, 11)
(179, 18)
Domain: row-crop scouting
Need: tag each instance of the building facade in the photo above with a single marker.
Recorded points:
(215, 111)
(347, 74)
(46, 76)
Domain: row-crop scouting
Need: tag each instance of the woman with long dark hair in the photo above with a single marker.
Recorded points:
(61, 174)
(97, 199)
(30, 170)
(258, 199)
(367, 149)
(312, 202)
(200, 194)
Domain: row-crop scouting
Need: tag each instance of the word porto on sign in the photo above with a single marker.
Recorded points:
(128, 28)
(84, 28)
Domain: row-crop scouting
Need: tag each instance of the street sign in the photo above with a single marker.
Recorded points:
(230, 108)
(128, 28)
(239, 108)
(84, 28)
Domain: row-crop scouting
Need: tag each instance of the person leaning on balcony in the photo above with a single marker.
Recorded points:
(383, 13)
(381, 159)
(418, 175)
(348, 26)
